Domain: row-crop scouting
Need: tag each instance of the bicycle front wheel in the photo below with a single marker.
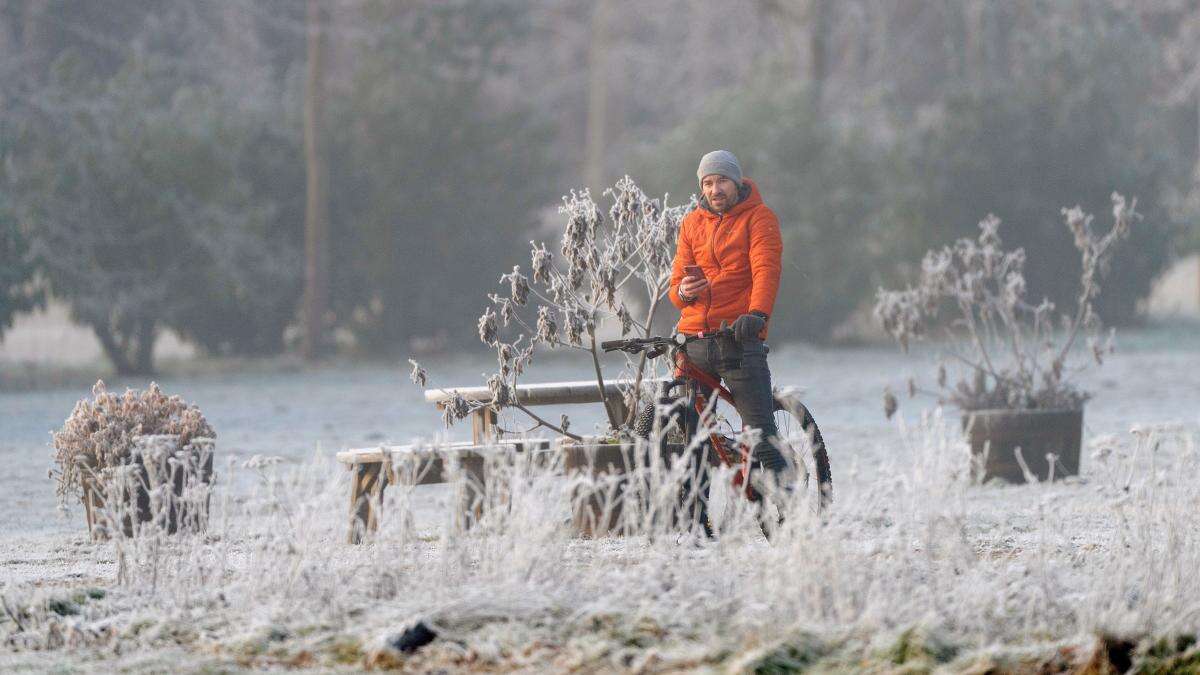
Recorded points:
(797, 430)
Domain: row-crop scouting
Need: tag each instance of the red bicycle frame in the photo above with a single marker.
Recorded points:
(686, 369)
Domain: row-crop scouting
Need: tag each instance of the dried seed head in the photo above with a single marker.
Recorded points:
(487, 327)
(576, 325)
(518, 285)
(547, 327)
(989, 231)
(604, 286)
(890, 404)
(1014, 289)
(540, 262)
(504, 307)
(418, 375)
(1079, 223)
(504, 357)
(501, 392)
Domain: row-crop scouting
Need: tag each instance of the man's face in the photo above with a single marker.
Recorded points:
(720, 191)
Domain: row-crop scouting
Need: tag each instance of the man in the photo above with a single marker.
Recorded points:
(733, 237)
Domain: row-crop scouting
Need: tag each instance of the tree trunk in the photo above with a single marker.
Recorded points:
(975, 43)
(597, 111)
(956, 30)
(116, 350)
(33, 35)
(818, 57)
(316, 213)
(144, 354)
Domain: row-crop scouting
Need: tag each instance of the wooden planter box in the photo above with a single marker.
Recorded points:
(996, 434)
(598, 513)
(150, 458)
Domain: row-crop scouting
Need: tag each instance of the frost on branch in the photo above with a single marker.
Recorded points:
(487, 327)
(613, 270)
(518, 286)
(1009, 350)
(418, 375)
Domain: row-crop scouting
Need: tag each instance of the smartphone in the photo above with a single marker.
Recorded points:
(693, 271)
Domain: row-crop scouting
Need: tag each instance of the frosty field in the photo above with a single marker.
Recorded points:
(914, 569)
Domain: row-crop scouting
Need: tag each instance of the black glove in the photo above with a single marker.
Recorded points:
(748, 326)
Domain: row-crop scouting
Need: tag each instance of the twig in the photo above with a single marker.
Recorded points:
(612, 417)
(631, 414)
(548, 425)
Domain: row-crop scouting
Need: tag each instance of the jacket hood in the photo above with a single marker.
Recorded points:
(748, 198)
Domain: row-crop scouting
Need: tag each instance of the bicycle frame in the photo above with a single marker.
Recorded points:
(699, 386)
(687, 374)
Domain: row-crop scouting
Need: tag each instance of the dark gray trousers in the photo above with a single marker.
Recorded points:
(750, 384)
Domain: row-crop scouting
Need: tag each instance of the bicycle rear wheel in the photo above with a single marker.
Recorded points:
(691, 509)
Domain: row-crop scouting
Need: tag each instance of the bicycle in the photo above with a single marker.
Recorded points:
(683, 412)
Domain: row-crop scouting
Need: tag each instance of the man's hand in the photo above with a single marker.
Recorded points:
(691, 287)
(748, 326)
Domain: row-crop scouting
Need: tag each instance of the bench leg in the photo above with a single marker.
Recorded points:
(483, 425)
(366, 498)
(471, 494)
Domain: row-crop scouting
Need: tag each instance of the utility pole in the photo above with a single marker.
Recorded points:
(316, 208)
(597, 105)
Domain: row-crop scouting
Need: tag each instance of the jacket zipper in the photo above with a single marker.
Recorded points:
(712, 246)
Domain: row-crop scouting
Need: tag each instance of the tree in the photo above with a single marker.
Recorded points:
(17, 291)
(316, 210)
(1073, 122)
(436, 183)
(824, 184)
(139, 221)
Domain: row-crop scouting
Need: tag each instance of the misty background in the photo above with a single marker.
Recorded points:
(260, 177)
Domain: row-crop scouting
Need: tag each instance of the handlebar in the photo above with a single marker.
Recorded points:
(635, 345)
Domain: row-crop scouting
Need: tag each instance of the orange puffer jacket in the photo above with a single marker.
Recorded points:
(740, 253)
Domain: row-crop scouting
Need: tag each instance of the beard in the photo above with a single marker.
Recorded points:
(722, 203)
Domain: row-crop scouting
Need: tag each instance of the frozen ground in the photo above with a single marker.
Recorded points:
(913, 565)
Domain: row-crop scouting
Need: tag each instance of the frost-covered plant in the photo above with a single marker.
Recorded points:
(1009, 350)
(101, 433)
(609, 269)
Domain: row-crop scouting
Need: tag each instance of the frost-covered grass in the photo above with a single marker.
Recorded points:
(913, 568)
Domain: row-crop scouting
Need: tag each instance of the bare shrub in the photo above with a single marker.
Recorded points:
(100, 435)
(1012, 356)
(613, 269)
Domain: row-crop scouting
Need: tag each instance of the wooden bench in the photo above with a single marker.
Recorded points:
(374, 468)
(483, 420)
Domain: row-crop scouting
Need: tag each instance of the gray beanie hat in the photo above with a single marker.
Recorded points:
(720, 162)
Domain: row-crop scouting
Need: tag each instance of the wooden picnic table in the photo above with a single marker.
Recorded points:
(375, 467)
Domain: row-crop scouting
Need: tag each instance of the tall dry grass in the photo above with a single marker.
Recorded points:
(917, 566)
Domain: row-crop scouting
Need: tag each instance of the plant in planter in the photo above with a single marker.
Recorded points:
(137, 458)
(612, 268)
(1015, 385)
